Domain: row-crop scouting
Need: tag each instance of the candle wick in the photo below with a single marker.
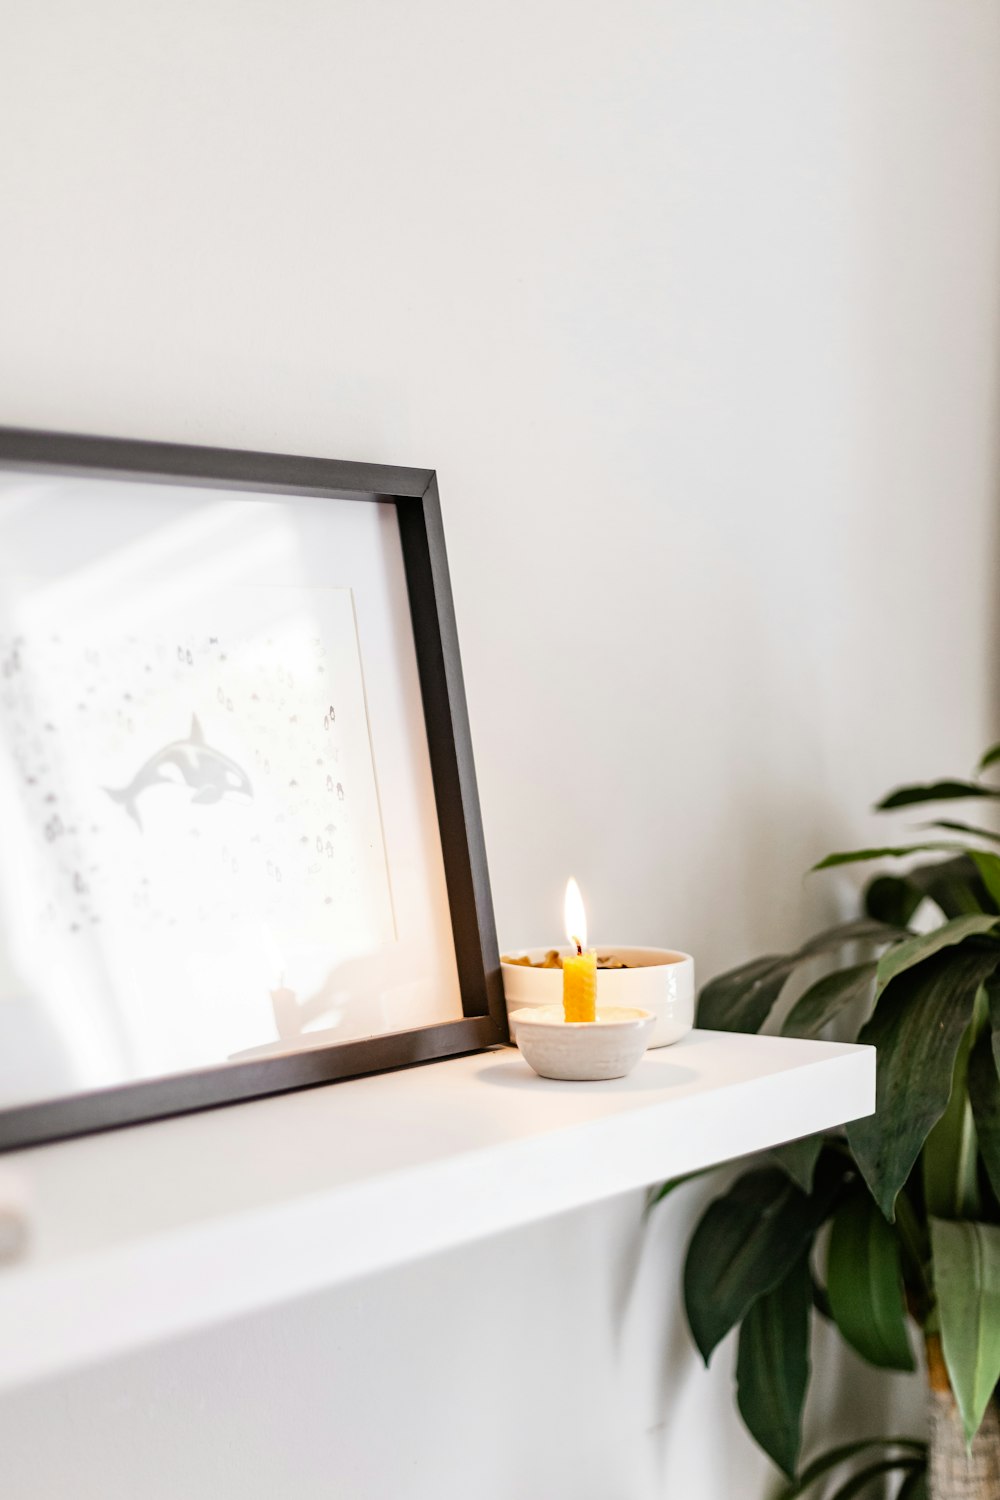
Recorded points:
(579, 947)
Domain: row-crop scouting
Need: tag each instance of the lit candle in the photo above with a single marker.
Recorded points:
(579, 968)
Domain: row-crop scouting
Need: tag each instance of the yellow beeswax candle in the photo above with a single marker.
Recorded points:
(579, 968)
(580, 985)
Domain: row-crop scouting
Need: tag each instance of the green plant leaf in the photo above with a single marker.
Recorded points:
(885, 851)
(657, 1194)
(862, 1480)
(799, 1158)
(741, 999)
(984, 1096)
(834, 1457)
(821, 1301)
(772, 1368)
(955, 827)
(992, 755)
(860, 930)
(967, 1280)
(821, 1002)
(916, 949)
(954, 885)
(949, 1162)
(915, 1249)
(864, 1282)
(992, 988)
(988, 866)
(935, 791)
(892, 898)
(745, 1243)
(914, 1486)
(917, 1027)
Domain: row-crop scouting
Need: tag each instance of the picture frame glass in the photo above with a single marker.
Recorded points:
(220, 839)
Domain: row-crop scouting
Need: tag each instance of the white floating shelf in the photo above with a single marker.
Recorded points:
(143, 1234)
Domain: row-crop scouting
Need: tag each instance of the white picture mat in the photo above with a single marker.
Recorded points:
(119, 571)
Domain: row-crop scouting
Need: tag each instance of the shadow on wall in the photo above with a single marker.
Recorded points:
(683, 1398)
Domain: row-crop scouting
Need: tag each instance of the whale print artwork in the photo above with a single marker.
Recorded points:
(208, 772)
(196, 820)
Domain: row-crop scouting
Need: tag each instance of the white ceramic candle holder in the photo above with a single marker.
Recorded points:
(659, 980)
(582, 1051)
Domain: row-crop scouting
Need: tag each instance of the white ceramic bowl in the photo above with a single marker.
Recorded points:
(659, 980)
(609, 1047)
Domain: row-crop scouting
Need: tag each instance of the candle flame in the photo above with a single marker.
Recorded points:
(576, 917)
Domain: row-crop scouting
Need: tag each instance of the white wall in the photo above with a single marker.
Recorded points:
(694, 306)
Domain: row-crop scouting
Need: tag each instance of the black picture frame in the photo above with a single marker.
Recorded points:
(414, 493)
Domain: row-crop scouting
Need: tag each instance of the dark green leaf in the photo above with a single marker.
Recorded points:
(834, 1457)
(885, 851)
(798, 1158)
(916, 949)
(992, 987)
(741, 999)
(967, 1281)
(917, 1027)
(992, 755)
(821, 1002)
(864, 1282)
(955, 827)
(949, 1159)
(951, 883)
(657, 1194)
(915, 1249)
(821, 1301)
(772, 1370)
(745, 1243)
(914, 1486)
(984, 1095)
(892, 899)
(988, 866)
(954, 885)
(936, 791)
(860, 930)
(862, 1480)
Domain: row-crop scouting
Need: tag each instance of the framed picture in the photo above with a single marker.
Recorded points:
(241, 846)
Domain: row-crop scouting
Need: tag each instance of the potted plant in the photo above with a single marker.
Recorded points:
(892, 1226)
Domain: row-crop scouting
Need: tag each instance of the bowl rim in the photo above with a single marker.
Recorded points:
(635, 1016)
(672, 956)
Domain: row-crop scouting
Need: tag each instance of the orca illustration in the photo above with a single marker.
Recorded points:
(208, 773)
